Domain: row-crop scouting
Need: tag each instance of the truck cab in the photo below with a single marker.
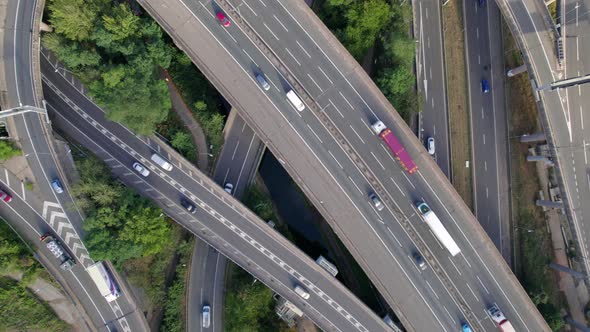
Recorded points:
(378, 127)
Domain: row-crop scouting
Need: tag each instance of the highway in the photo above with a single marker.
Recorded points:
(33, 133)
(483, 40)
(562, 110)
(432, 80)
(577, 55)
(282, 39)
(24, 215)
(237, 164)
(221, 221)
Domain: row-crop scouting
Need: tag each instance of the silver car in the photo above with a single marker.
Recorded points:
(376, 201)
(141, 169)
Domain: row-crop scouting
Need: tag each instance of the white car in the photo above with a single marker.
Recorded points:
(430, 146)
(376, 201)
(206, 316)
(228, 188)
(301, 292)
(141, 169)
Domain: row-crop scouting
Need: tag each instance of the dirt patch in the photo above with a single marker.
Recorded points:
(452, 16)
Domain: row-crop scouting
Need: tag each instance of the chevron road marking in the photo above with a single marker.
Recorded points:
(46, 206)
(77, 246)
(54, 215)
(61, 225)
(69, 235)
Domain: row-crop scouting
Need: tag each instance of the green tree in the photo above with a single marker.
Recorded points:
(147, 227)
(365, 21)
(182, 142)
(7, 150)
(75, 19)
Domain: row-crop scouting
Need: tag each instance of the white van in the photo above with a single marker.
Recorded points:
(294, 99)
(301, 292)
(161, 162)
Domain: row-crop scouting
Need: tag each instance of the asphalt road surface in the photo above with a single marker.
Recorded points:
(488, 122)
(237, 165)
(432, 80)
(33, 133)
(563, 109)
(221, 221)
(24, 215)
(311, 145)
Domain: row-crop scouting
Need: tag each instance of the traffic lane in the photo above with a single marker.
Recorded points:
(31, 226)
(17, 50)
(428, 286)
(232, 238)
(197, 279)
(44, 163)
(473, 242)
(210, 280)
(435, 116)
(278, 33)
(235, 165)
(538, 42)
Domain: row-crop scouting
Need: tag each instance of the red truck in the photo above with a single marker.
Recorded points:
(395, 146)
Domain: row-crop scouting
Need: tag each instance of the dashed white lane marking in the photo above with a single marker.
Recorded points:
(269, 30)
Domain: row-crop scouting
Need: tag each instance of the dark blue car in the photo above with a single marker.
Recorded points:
(485, 86)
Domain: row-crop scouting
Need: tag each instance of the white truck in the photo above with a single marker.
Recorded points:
(500, 320)
(56, 248)
(106, 284)
(437, 228)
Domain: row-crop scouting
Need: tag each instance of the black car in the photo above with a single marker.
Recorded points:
(188, 206)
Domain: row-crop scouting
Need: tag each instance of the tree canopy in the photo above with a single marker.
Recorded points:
(117, 54)
(120, 224)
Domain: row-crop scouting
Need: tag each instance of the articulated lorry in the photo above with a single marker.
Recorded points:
(56, 248)
(395, 146)
(500, 320)
(437, 228)
(106, 284)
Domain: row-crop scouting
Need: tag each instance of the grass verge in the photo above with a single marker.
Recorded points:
(459, 121)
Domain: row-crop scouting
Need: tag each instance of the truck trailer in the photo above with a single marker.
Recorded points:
(106, 284)
(395, 146)
(57, 249)
(437, 228)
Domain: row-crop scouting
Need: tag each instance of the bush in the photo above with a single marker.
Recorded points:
(15, 256)
(203, 100)
(8, 150)
(249, 303)
(22, 311)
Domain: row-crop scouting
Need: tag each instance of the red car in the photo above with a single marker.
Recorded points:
(5, 197)
(223, 19)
